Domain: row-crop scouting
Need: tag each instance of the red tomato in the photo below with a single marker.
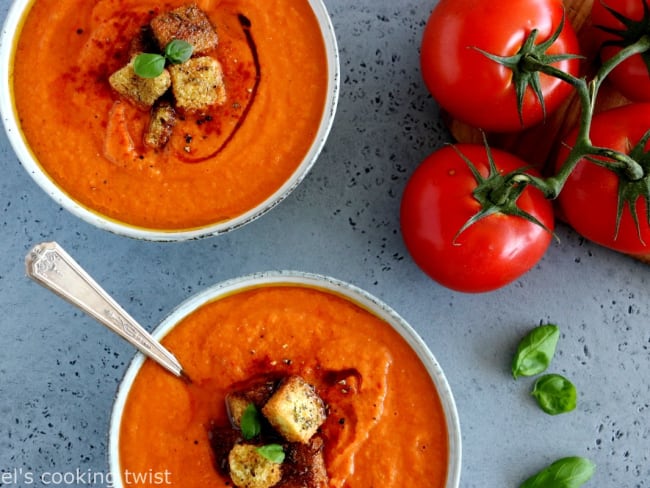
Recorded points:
(492, 252)
(477, 90)
(589, 199)
(631, 77)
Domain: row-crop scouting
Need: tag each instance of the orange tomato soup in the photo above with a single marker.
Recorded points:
(219, 163)
(385, 428)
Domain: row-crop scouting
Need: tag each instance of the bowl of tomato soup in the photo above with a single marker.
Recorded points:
(391, 418)
(82, 128)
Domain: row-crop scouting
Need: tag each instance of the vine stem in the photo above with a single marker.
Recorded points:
(587, 93)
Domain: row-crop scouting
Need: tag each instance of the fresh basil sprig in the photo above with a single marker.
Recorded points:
(149, 65)
(569, 472)
(272, 452)
(555, 394)
(178, 51)
(535, 351)
(250, 423)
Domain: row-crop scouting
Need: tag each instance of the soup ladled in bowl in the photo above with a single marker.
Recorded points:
(168, 120)
(295, 379)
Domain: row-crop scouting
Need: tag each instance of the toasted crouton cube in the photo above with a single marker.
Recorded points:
(188, 24)
(141, 91)
(222, 439)
(238, 400)
(249, 469)
(236, 404)
(161, 123)
(198, 83)
(304, 465)
(143, 42)
(295, 410)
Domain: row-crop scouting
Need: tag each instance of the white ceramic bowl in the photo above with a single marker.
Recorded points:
(352, 293)
(10, 30)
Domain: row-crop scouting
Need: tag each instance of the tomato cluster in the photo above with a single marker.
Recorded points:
(475, 218)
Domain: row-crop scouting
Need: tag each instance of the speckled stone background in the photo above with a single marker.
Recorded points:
(59, 369)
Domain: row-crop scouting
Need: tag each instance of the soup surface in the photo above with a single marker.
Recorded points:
(220, 162)
(385, 425)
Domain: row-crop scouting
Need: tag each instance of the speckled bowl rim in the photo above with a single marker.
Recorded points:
(311, 280)
(13, 22)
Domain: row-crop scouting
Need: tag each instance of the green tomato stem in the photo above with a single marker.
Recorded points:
(587, 93)
(639, 47)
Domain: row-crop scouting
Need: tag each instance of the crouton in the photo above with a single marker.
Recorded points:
(161, 123)
(257, 394)
(304, 466)
(188, 24)
(198, 83)
(143, 42)
(295, 410)
(236, 404)
(141, 91)
(249, 469)
(222, 440)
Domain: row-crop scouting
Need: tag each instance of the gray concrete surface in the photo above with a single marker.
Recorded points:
(59, 369)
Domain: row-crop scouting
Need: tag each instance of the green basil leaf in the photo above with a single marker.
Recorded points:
(178, 51)
(555, 394)
(250, 423)
(569, 472)
(272, 452)
(147, 65)
(535, 351)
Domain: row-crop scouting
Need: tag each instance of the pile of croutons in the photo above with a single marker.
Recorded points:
(193, 85)
(292, 413)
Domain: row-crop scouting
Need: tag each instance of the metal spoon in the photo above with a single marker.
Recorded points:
(49, 265)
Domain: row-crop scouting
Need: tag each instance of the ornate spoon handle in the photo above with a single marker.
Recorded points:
(49, 265)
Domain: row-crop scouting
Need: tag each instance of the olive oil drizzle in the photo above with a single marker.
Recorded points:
(246, 27)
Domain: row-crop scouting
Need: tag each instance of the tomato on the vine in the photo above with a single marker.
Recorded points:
(632, 76)
(597, 201)
(479, 91)
(438, 202)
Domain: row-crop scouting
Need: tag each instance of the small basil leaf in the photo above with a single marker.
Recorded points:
(250, 422)
(535, 351)
(147, 65)
(555, 394)
(178, 51)
(272, 452)
(569, 472)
